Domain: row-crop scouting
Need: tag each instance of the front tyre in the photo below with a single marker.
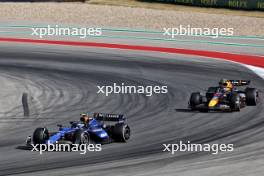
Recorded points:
(40, 136)
(195, 100)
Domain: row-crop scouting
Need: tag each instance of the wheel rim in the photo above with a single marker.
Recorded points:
(85, 139)
(44, 136)
(238, 104)
(127, 133)
(256, 97)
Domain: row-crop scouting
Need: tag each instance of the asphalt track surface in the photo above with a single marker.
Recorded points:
(62, 83)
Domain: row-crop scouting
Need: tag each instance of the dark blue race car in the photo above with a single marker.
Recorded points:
(101, 128)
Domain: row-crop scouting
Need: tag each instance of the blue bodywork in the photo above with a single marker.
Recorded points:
(94, 128)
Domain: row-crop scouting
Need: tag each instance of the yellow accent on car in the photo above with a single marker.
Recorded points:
(213, 102)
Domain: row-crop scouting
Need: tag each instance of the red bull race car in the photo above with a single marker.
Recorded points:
(225, 97)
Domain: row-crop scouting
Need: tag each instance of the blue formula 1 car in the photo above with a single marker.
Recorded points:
(101, 128)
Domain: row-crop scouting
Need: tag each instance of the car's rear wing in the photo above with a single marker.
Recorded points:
(109, 117)
(240, 82)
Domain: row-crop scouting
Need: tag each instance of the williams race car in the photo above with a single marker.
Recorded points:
(225, 97)
(102, 128)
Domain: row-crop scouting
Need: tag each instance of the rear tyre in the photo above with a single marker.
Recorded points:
(195, 100)
(40, 136)
(251, 96)
(235, 102)
(121, 132)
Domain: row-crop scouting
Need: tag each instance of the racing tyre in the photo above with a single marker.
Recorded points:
(40, 136)
(235, 102)
(81, 137)
(251, 96)
(121, 132)
(195, 100)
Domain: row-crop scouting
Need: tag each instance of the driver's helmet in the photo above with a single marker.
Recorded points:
(225, 84)
(84, 118)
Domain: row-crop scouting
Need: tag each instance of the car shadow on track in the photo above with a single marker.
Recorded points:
(24, 147)
(186, 110)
